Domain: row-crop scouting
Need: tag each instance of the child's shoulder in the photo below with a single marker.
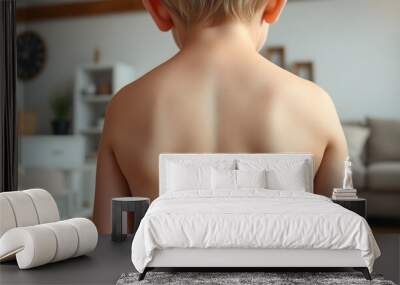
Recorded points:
(293, 87)
(146, 85)
(140, 94)
(151, 83)
(303, 96)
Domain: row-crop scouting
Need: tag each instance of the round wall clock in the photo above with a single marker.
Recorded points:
(31, 55)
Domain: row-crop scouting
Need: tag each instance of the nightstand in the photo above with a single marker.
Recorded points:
(120, 206)
(358, 206)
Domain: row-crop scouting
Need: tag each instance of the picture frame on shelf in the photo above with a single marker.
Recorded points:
(276, 55)
(304, 69)
(27, 123)
(104, 88)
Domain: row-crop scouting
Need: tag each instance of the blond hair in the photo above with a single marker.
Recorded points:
(213, 11)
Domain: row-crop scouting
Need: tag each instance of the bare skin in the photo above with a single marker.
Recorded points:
(216, 95)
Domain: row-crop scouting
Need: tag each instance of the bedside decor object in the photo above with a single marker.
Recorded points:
(276, 55)
(31, 233)
(348, 191)
(356, 205)
(31, 55)
(120, 207)
(304, 69)
(347, 180)
(61, 106)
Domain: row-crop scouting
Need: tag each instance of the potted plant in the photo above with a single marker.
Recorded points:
(61, 105)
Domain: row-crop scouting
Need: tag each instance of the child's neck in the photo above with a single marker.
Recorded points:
(228, 34)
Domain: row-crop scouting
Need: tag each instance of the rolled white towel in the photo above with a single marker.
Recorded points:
(7, 218)
(87, 234)
(33, 246)
(67, 239)
(40, 244)
(46, 207)
(26, 208)
(23, 208)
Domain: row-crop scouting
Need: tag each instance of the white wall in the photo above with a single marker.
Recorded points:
(354, 44)
(355, 47)
(129, 38)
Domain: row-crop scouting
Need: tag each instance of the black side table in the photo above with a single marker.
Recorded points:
(358, 206)
(120, 206)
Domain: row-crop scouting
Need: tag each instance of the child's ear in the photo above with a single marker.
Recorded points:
(159, 13)
(273, 10)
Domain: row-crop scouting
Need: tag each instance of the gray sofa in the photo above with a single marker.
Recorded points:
(374, 147)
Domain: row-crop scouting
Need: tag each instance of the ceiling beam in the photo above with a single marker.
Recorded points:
(68, 10)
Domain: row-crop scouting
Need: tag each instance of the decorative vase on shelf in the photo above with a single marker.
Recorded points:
(90, 89)
(60, 127)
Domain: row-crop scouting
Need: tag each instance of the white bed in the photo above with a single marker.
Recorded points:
(250, 227)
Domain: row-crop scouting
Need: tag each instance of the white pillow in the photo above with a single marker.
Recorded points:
(282, 174)
(356, 137)
(182, 177)
(193, 174)
(236, 179)
(251, 178)
(223, 179)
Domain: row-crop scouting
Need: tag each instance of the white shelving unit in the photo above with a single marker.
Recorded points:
(66, 165)
(90, 107)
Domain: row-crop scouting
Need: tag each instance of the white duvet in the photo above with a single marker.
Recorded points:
(250, 218)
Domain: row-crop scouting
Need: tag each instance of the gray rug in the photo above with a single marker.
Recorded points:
(269, 278)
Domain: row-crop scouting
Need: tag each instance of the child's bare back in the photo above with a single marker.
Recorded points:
(216, 95)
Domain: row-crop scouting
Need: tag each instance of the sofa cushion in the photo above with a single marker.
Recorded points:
(359, 175)
(356, 122)
(384, 176)
(384, 140)
(356, 137)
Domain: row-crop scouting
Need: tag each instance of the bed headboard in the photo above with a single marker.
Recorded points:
(164, 157)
